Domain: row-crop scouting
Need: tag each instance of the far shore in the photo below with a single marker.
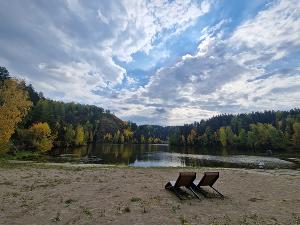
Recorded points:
(65, 193)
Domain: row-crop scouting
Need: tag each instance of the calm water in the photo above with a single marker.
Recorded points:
(173, 156)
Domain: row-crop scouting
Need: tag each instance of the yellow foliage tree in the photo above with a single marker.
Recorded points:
(108, 137)
(142, 139)
(128, 134)
(14, 105)
(150, 140)
(40, 135)
(79, 135)
(222, 134)
(192, 137)
(296, 135)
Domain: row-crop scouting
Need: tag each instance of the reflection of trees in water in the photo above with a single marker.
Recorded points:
(113, 153)
(80, 151)
(190, 149)
(224, 151)
(128, 153)
(171, 155)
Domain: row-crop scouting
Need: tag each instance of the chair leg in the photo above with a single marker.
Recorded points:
(175, 192)
(190, 188)
(217, 191)
(201, 191)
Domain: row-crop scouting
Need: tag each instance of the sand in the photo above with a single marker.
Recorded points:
(31, 194)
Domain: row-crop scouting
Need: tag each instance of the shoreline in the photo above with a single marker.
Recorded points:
(62, 165)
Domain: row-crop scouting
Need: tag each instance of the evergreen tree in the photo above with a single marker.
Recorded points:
(242, 138)
(4, 74)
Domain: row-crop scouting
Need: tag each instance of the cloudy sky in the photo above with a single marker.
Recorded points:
(154, 61)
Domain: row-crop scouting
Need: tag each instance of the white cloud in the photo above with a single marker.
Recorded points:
(189, 114)
(131, 80)
(72, 56)
(102, 18)
(147, 20)
(224, 74)
(274, 33)
(68, 51)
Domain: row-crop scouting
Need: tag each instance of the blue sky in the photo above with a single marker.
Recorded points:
(157, 62)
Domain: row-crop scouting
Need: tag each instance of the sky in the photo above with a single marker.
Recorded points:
(165, 62)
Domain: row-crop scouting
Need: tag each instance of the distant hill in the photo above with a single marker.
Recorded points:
(108, 123)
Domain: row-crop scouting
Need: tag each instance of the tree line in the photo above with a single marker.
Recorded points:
(257, 130)
(31, 121)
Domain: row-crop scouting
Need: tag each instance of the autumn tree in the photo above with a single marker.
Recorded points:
(296, 135)
(230, 137)
(276, 137)
(251, 139)
(150, 140)
(142, 139)
(69, 135)
(156, 141)
(108, 137)
(223, 138)
(14, 106)
(116, 138)
(226, 136)
(128, 134)
(40, 137)
(192, 137)
(79, 135)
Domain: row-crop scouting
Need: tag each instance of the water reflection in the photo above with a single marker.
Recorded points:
(170, 156)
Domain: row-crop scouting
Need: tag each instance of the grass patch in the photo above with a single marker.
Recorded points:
(25, 155)
(184, 221)
(175, 208)
(297, 222)
(135, 199)
(14, 194)
(87, 211)
(69, 201)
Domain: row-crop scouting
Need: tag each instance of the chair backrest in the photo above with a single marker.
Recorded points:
(185, 179)
(209, 179)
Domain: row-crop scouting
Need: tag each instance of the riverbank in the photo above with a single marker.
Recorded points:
(72, 194)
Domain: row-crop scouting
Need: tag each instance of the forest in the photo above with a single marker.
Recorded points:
(32, 122)
(257, 130)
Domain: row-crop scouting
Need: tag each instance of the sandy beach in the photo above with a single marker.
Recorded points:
(50, 194)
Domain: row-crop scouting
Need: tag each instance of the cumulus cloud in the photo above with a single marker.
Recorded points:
(76, 42)
(235, 74)
(273, 33)
(79, 55)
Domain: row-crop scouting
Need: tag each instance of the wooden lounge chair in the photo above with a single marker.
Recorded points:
(208, 179)
(185, 179)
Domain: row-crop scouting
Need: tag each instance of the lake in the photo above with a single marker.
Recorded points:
(162, 155)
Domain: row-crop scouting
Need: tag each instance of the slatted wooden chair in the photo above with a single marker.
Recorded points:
(208, 179)
(185, 179)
